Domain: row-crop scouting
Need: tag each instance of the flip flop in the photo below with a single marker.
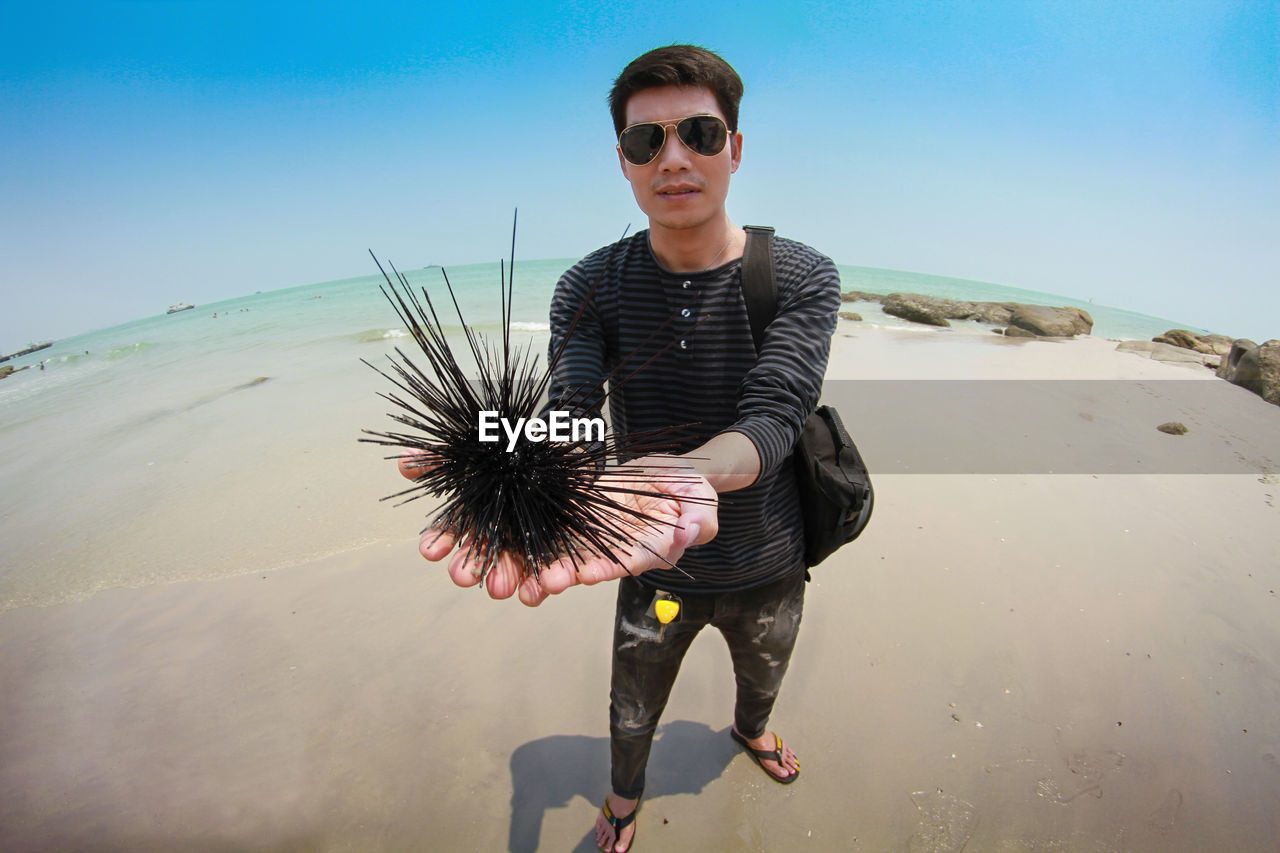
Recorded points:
(771, 754)
(620, 823)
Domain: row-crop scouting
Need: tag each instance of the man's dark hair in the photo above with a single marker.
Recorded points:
(677, 65)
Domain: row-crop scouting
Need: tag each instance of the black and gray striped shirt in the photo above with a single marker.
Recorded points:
(704, 372)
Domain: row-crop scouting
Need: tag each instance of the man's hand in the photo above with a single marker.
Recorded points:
(414, 463)
(685, 500)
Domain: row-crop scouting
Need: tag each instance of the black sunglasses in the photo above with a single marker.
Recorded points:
(705, 135)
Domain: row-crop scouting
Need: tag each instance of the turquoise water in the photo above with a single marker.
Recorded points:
(320, 325)
(333, 319)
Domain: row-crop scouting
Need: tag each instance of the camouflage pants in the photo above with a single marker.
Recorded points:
(760, 627)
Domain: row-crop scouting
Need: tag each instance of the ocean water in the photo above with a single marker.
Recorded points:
(219, 440)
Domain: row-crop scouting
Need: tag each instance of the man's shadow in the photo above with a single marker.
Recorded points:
(548, 773)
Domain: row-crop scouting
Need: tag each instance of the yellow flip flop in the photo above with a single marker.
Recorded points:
(771, 754)
(620, 823)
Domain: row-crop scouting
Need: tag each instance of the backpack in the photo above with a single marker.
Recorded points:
(836, 497)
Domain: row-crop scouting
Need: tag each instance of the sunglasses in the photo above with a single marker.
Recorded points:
(705, 135)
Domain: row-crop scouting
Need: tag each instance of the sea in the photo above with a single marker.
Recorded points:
(219, 440)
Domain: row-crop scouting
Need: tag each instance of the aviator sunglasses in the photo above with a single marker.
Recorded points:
(705, 135)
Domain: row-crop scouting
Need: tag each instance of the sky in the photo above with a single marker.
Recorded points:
(154, 152)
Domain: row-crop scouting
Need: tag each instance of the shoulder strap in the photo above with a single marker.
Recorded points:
(759, 283)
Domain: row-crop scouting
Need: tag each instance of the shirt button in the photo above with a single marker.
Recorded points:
(684, 345)
(687, 285)
(685, 312)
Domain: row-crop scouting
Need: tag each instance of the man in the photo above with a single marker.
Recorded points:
(675, 110)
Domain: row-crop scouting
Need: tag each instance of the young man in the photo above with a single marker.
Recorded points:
(670, 298)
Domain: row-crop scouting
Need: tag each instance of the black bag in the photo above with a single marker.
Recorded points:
(835, 488)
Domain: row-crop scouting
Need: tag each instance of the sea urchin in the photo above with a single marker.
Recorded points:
(524, 495)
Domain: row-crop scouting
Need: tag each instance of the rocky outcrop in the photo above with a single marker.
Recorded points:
(1167, 353)
(851, 315)
(1239, 347)
(1028, 321)
(995, 313)
(861, 296)
(1043, 321)
(9, 370)
(1173, 428)
(1015, 332)
(917, 308)
(1210, 344)
(940, 309)
(1255, 367)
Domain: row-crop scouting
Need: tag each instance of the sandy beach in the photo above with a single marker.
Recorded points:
(1061, 631)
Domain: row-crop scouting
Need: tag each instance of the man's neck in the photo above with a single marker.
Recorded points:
(697, 249)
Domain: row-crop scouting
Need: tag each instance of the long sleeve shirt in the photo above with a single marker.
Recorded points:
(677, 351)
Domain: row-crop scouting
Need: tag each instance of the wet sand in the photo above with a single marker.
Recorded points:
(1004, 661)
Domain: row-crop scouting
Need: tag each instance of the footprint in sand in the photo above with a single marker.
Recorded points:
(1162, 819)
(946, 823)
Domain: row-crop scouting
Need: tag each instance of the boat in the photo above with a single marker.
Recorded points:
(181, 306)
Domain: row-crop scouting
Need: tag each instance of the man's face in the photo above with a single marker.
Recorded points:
(679, 189)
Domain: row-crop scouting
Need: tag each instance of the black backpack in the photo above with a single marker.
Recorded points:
(835, 488)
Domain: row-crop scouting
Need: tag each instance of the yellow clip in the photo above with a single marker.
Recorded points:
(666, 610)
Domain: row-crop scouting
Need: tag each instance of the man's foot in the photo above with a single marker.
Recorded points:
(773, 756)
(615, 825)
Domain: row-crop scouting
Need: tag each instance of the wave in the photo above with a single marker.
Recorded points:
(369, 336)
(487, 330)
(130, 349)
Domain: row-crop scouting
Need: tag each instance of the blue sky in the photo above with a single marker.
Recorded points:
(152, 152)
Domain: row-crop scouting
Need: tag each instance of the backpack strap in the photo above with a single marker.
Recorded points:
(759, 281)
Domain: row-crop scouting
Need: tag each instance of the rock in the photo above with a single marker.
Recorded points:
(861, 296)
(1209, 344)
(1015, 332)
(1256, 368)
(1045, 321)
(1180, 338)
(9, 370)
(1238, 348)
(937, 311)
(916, 308)
(1173, 428)
(850, 315)
(995, 313)
(1167, 353)
(1220, 344)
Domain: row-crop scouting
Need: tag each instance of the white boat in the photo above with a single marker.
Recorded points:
(181, 306)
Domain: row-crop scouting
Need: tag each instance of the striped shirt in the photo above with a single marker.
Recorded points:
(691, 334)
